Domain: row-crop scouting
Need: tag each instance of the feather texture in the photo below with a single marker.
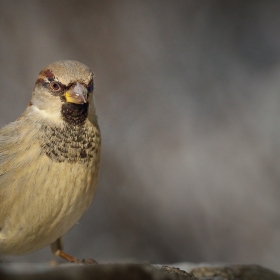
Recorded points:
(48, 171)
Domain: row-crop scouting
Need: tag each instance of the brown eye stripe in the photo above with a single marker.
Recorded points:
(43, 82)
(90, 86)
(48, 74)
(40, 81)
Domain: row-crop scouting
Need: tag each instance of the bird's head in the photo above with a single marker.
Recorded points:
(63, 92)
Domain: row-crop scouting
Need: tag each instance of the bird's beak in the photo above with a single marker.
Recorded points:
(77, 94)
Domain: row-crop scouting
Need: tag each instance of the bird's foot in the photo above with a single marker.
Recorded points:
(89, 261)
(71, 259)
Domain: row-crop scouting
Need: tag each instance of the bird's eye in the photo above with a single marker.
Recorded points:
(55, 86)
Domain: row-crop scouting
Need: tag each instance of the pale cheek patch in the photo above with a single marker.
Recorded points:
(49, 115)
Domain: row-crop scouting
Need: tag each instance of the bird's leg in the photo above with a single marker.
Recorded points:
(57, 250)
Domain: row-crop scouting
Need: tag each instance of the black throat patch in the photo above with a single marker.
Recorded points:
(74, 114)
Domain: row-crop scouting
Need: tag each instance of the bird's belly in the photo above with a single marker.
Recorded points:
(42, 208)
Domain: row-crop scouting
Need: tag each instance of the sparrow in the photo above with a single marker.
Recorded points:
(49, 162)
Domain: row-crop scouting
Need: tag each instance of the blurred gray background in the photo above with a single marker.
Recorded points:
(188, 97)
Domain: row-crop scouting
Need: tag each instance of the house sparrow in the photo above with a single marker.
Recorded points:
(49, 162)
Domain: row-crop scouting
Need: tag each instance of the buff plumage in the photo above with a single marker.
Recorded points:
(49, 162)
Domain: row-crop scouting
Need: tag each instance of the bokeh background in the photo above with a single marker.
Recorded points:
(188, 97)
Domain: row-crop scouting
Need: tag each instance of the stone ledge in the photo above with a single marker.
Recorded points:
(29, 271)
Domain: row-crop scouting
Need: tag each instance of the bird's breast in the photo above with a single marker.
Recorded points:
(70, 143)
(56, 183)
